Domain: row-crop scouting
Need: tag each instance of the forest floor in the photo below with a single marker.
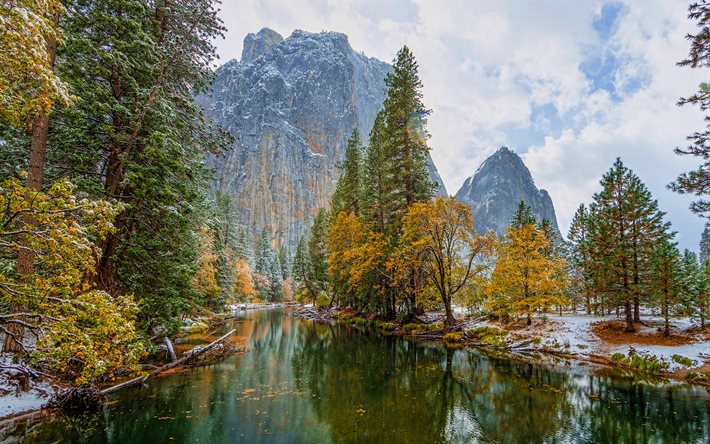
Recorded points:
(598, 338)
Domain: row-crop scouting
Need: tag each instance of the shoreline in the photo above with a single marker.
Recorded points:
(526, 348)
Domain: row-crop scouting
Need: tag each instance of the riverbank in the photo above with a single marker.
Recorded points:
(22, 393)
(684, 355)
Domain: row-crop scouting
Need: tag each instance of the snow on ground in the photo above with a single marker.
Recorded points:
(573, 333)
(12, 399)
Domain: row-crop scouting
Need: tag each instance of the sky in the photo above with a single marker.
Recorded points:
(568, 85)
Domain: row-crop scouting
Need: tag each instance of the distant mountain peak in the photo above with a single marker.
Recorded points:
(496, 189)
(260, 43)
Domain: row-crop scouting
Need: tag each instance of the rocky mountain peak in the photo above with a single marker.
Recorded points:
(260, 43)
(496, 189)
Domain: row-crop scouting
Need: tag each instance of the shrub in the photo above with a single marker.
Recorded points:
(617, 357)
(642, 362)
(684, 361)
(452, 337)
(412, 327)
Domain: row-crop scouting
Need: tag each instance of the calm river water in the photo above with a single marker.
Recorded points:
(305, 382)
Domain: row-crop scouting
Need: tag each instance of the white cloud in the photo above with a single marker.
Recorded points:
(486, 67)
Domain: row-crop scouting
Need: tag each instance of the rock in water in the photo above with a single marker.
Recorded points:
(496, 189)
(291, 105)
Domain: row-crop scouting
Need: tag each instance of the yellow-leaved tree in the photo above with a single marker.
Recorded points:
(82, 333)
(438, 237)
(243, 282)
(204, 282)
(525, 279)
(29, 33)
(355, 254)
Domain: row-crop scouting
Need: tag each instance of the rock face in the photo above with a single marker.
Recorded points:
(291, 105)
(496, 189)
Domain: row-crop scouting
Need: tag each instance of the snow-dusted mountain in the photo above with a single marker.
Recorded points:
(496, 189)
(291, 105)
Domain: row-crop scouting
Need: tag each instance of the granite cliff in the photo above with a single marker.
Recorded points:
(291, 105)
(496, 189)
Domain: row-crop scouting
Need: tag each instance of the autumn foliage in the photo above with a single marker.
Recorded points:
(525, 280)
(82, 333)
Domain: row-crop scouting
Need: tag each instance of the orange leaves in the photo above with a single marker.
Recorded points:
(204, 282)
(525, 280)
(438, 238)
(353, 250)
(243, 282)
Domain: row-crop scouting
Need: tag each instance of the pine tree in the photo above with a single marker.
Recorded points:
(373, 198)
(285, 261)
(135, 134)
(347, 191)
(693, 286)
(404, 147)
(318, 254)
(666, 279)
(523, 216)
(263, 266)
(705, 243)
(302, 269)
(276, 290)
(624, 229)
(697, 182)
(579, 258)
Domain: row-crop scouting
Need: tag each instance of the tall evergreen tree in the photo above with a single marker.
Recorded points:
(276, 290)
(625, 227)
(697, 182)
(578, 257)
(318, 254)
(372, 197)
(347, 192)
(404, 147)
(523, 216)
(666, 279)
(705, 243)
(136, 135)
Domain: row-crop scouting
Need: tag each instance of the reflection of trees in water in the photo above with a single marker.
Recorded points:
(372, 389)
(420, 393)
(348, 386)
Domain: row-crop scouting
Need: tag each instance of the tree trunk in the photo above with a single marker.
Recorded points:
(450, 320)
(529, 321)
(629, 317)
(637, 309)
(667, 330)
(37, 156)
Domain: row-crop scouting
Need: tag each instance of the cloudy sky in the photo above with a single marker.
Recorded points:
(569, 85)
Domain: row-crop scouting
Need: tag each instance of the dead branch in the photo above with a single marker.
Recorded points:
(189, 356)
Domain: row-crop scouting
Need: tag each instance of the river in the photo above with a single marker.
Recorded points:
(308, 382)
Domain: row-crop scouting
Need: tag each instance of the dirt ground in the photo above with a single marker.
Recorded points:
(613, 332)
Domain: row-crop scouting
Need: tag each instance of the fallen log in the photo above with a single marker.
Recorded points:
(189, 356)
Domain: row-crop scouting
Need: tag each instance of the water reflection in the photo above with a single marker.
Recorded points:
(305, 382)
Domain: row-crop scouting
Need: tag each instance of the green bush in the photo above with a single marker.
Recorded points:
(698, 376)
(618, 357)
(642, 362)
(684, 361)
(413, 327)
(490, 335)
